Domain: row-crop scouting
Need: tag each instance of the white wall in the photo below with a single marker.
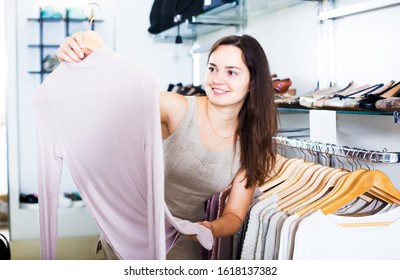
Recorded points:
(170, 62)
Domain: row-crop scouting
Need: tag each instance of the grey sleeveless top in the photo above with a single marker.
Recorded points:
(193, 173)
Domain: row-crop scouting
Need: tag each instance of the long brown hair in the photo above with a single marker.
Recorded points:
(258, 120)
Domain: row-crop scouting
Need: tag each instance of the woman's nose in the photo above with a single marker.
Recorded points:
(218, 78)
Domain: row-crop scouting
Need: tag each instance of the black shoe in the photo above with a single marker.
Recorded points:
(28, 201)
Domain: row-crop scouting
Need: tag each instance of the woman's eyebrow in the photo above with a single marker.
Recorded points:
(226, 67)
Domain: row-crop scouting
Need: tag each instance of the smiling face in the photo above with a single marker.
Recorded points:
(228, 78)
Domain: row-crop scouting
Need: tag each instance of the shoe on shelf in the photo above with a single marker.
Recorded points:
(319, 102)
(76, 199)
(353, 103)
(308, 99)
(368, 102)
(350, 101)
(388, 104)
(281, 86)
(28, 201)
(319, 99)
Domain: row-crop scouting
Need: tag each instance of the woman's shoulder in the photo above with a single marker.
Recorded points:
(173, 102)
(173, 109)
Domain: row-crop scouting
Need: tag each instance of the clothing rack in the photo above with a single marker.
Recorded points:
(340, 151)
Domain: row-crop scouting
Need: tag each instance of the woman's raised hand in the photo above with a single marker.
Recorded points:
(71, 50)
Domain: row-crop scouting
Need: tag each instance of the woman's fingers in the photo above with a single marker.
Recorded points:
(71, 49)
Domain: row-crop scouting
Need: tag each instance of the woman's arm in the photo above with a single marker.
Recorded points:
(235, 209)
(173, 107)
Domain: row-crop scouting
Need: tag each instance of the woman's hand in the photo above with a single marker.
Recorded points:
(205, 224)
(71, 50)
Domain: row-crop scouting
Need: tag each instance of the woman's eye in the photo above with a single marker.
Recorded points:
(232, 73)
(211, 69)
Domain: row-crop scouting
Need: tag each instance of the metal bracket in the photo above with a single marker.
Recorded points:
(396, 117)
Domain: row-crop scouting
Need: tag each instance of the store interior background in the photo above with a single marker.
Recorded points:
(361, 47)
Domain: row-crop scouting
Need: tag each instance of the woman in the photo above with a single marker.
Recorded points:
(216, 140)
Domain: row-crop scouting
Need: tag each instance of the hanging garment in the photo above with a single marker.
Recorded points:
(333, 237)
(101, 118)
(251, 236)
(222, 248)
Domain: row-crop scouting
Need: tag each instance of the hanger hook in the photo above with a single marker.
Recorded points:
(92, 14)
(347, 153)
(372, 159)
(365, 159)
(356, 157)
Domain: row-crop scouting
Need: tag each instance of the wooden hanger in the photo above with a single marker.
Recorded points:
(92, 40)
(321, 178)
(293, 175)
(287, 170)
(374, 180)
(320, 191)
(305, 181)
(279, 163)
(316, 203)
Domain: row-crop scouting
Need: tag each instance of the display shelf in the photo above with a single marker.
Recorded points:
(41, 46)
(230, 14)
(210, 21)
(344, 112)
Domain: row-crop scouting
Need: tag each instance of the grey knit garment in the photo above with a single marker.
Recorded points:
(193, 174)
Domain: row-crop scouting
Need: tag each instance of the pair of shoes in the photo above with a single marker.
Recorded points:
(368, 102)
(188, 90)
(75, 198)
(308, 99)
(351, 101)
(317, 100)
(351, 88)
(28, 201)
